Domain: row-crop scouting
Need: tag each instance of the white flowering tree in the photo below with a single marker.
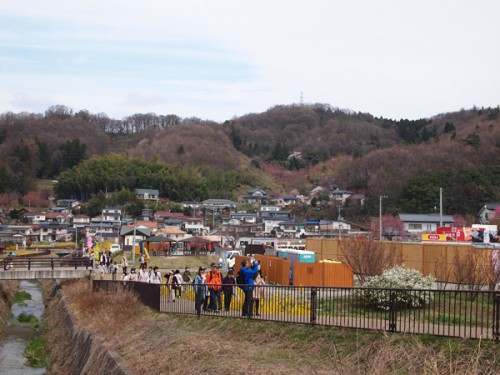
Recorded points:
(409, 285)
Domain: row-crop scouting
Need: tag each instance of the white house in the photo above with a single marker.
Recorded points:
(486, 212)
(35, 217)
(148, 194)
(339, 195)
(111, 214)
(417, 223)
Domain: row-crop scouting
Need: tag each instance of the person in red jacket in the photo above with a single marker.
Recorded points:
(214, 283)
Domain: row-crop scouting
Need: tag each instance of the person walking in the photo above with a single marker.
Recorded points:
(214, 282)
(228, 283)
(170, 286)
(200, 281)
(124, 264)
(143, 275)
(186, 276)
(258, 293)
(177, 283)
(248, 271)
(155, 277)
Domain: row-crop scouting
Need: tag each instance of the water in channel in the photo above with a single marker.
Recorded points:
(18, 335)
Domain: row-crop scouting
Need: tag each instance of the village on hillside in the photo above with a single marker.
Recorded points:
(217, 223)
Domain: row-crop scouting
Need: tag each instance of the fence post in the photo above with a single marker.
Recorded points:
(392, 311)
(496, 317)
(314, 304)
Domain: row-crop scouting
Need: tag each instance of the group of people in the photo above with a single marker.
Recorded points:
(209, 287)
(106, 264)
(145, 275)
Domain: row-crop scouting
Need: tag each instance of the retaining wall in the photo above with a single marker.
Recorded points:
(77, 350)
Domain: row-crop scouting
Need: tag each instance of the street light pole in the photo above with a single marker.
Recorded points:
(380, 215)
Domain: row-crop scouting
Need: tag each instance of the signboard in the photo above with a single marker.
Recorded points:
(434, 237)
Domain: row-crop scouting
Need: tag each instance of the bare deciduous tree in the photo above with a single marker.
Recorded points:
(366, 256)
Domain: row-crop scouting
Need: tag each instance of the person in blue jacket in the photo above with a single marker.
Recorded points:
(248, 270)
(200, 286)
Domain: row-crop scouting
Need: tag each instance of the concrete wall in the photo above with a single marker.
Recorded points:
(79, 352)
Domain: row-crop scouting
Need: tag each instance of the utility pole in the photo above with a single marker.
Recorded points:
(133, 244)
(440, 207)
(340, 224)
(380, 215)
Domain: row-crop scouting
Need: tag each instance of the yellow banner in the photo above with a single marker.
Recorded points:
(434, 237)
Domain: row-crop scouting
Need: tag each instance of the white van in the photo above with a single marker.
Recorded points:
(114, 248)
(230, 256)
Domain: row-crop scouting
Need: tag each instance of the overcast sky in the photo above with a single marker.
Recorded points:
(219, 59)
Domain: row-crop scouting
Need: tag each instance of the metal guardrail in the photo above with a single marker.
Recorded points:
(451, 313)
(31, 263)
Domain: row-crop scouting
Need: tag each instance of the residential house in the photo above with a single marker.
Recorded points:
(173, 233)
(171, 223)
(111, 214)
(147, 214)
(191, 205)
(417, 223)
(339, 196)
(238, 230)
(19, 234)
(256, 196)
(52, 232)
(35, 217)
(356, 199)
(267, 208)
(271, 223)
(333, 227)
(289, 200)
(60, 209)
(218, 204)
(312, 226)
(58, 217)
(81, 221)
(130, 233)
(99, 229)
(70, 204)
(486, 212)
(241, 217)
(189, 224)
(195, 225)
(287, 229)
(148, 194)
(283, 214)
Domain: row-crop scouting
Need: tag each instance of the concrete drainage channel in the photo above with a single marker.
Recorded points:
(83, 353)
(21, 329)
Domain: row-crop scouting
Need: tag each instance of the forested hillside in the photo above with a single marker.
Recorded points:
(285, 148)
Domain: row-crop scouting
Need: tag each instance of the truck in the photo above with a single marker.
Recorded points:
(228, 259)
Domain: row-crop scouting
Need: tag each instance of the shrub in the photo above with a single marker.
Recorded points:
(377, 290)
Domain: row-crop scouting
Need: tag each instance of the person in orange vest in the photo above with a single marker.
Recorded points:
(214, 282)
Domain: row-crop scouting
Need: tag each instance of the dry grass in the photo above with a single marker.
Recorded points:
(7, 291)
(156, 343)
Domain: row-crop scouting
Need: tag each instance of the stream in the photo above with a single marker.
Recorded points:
(18, 335)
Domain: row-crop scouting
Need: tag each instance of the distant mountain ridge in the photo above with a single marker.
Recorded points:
(287, 147)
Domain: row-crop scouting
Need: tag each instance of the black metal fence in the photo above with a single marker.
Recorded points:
(469, 314)
(30, 263)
